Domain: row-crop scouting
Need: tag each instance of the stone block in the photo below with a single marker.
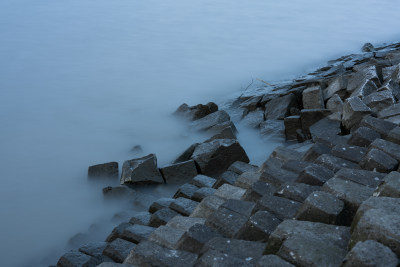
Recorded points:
(388, 147)
(377, 160)
(391, 111)
(216, 258)
(336, 86)
(207, 206)
(390, 186)
(160, 204)
(363, 137)
(210, 120)
(142, 218)
(240, 167)
(380, 126)
(273, 261)
(394, 136)
(166, 236)
(247, 179)
(186, 191)
(109, 169)
(184, 223)
(285, 154)
(311, 116)
(258, 227)
(315, 174)
(312, 98)
(254, 118)
(295, 191)
(203, 181)
(349, 152)
(201, 193)
(292, 123)
(77, 258)
(353, 112)
(94, 249)
(277, 176)
(228, 177)
(141, 171)
(227, 191)
(335, 104)
(368, 178)
(136, 233)
(226, 222)
(334, 163)
(321, 207)
(296, 166)
(161, 217)
(239, 206)
(379, 101)
(315, 151)
(183, 206)
(118, 250)
(179, 172)
(258, 190)
(117, 231)
(280, 207)
(278, 108)
(195, 237)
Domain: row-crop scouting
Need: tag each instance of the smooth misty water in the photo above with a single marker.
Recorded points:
(82, 81)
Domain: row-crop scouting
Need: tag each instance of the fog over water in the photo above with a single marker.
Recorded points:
(83, 81)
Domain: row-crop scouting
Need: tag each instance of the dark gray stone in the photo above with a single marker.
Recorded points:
(336, 86)
(391, 111)
(390, 186)
(239, 206)
(370, 253)
(166, 236)
(380, 100)
(394, 136)
(226, 133)
(296, 166)
(186, 190)
(215, 157)
(313, 98)
(228, 177)
(334, 163)
(161, 217)
(118, 250)
(325, 127)
(226, 222)
(335, 104)
(203, 181)
(353, 112)
(184, 223)
(378, 160)
(285, 154)
(349, 152)
(282, 208)
(315, 174)
(150, 254)
(258, 227)
(114, 264)
(273, 130)
(254, 118)
(227, 191)
(363, 177)
(252, 103)
(368, 47)
(77, 259)
(136, 233)
(194, 239)
(389, 148)
(179, 172)
(141, 171)
(142, 218)
(208, 206)
(380, 126)
(109, 169)
(277, 176)
(315, 151)
(201, 193)
(240, 167)
(331, 139)
(292, 124)
(183, 206)
(210, 120)
(160, 204)
(247, 179)
(278, 108)
(215, 258)
(295, 191)
(321, 207)
(117, 231)
(258, 190)
(311, 116)
(94, 249)
(363, 137)
(273, 261)
(187, 154)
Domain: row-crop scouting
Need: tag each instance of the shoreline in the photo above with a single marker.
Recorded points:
(325, 117)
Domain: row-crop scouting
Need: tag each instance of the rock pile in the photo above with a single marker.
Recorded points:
(330, 200)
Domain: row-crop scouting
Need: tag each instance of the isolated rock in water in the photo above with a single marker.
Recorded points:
(196, 112)
(216, 156)
(109, 169)
(210, 120)
(368, 47)
(179, 172)
(278, 108)
(142, 170)
(353, 112)
(312, 98)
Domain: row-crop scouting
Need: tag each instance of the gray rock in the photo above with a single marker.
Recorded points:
(194, 239)
(315, 151)
(150, 254)
(280, 207)
(196, 112)
(349, 152)
(160, 204)
(117, 231)
(285, 154)
(380, 126)
(379, 101)
(352, 194)
(370, 253)
(254, 118)
(183, 206)
(184, 223)
(390, 186)
(136, 233)
(292, 124)
(325, 127)
(161, 217)
(227, 191)
(335, 104)
(142, 218)
(187, 154)
(215, 157)
(312, 98)
(296, 166)
(368, 178)
(315, 174)
(353, 112)
(141, 171)
(186, 190)
(118, 250)
(252, 103)
(278, 108)
(239, 206)
(210, 120)
(215, 258)
(336, 86)
(258, 227)
(394, 136)
(311, 116)
(295, 191)
(275, 175)
(365, 80)
(166, 236)
(114, 264)
(77, 259)
(273, 130)
(207, 206)
(227, 177)
(94, 249)
(368, 47)
(391, 111)
(273, 261)
(201, 193)
(379, 161)
(179, 172)
(109, 169)
(334, 163)
(240, 167)
(203, 181)
(226, 222)
(321, 207)
(258, 190)
(247, 179)
(388, 147)
(226, 133)
(363, 137)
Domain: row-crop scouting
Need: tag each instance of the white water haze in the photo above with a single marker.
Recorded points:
(83, 81)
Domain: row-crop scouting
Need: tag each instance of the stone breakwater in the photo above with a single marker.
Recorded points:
(331, 198)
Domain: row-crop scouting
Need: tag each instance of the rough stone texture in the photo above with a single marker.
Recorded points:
(368, 178)
(109, 169)
(195, 237)
(277, 176)
(378, 160)
(321, 207)
(296, 191)
(142, 218)
(114, 264)
(226, 222)
(75, 258)
(258, 227)
(179, 172)
(325, 127)
(278, 108)
(336, 86)
(273, 261)
(353, 112)
(166, 236)
(203, 181)
(363, 137)
(150, 254)
(94, 249)
(364, 80)
(201, 193)
(230, 192)
(352, 194)
(280, 207)
(207, 206)
(312, 98)
(315, 151)
(311, 116)
(379, 100)
(254, 118)
(273, 130)
(349, 152)
(389, 148)
(315, 174)
(380, 126)
(258, 190)
(215, 258)
(136, 233)
(161, 217)
(184, 223)
(186, 190)
(117, 231)
(187, 154)
(141, 170)
(292, 124)
(334, 163)
(225, 133)
(228, 177)
(285, 154)
(391, 111)
(240, 167)
(252, 103)
(296, 166)
(118, 250)
(247, 179)
(335, 104)
(210, 120)
(160, 204)
(390, 186)
(309, 243)
(370, 253)
(215, 157)
(183, 206)
(394, 136)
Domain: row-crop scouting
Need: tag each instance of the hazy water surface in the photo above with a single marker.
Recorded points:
(82, 81)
